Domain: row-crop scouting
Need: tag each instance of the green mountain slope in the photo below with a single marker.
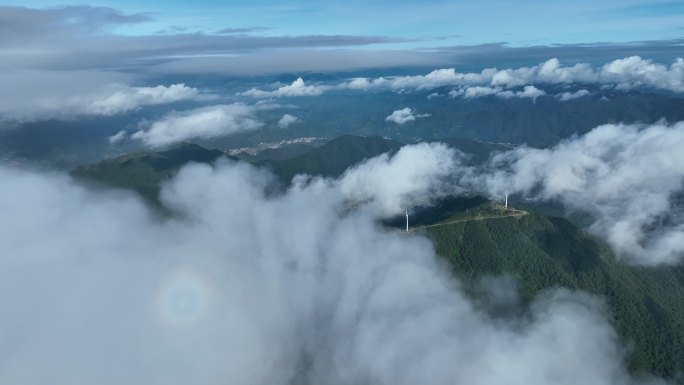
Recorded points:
(144, 171)
(333, 158)
(544, 252)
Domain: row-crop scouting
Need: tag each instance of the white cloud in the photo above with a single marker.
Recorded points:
(626, 176)
(118, 98)
(358, 84)
(531, 92)
(297, 88)
(565, 96)
(635, 71)
(404, 115)
(436, 78)
(474, 92)
(266, 288)
(118, 137)
(199, 123)
(287, 120)
(39, 95)
(390, 182)
(625, 73)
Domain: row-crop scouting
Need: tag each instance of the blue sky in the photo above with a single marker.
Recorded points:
(431, 22)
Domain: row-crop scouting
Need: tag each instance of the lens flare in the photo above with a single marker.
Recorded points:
(183, 298)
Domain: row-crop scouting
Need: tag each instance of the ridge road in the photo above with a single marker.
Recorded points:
(513, 213)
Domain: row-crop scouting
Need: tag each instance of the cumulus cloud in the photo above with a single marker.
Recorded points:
(119, 98)
(250, 287)
(391, 181)
(434, 79)
(287, 120)
(358, 84)
(297, 88)
(404, 115)
(474, 92)
(530, 92)
(629, 177)
(627, 73)
(118, 137)
(565, 96)
(634, 72)
(199, 123)
(39, 95)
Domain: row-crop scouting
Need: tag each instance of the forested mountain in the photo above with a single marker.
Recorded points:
(332, 158)
(144, 171)
(542, 252)
(479, 239)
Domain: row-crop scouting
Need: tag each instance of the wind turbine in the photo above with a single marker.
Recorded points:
(506, 200)
(407, 221)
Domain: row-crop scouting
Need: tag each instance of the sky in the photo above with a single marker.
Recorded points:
(424, 23)
(257, 37)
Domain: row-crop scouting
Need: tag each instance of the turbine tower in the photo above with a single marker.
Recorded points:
(407, 220)
(506, 200)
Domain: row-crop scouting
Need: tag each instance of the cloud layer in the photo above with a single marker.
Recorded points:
(629, 177)
(622, 74)
(287, 120)
(39, 95)
(200, 123)
(247, 287)
(68, 61)
(404, 115)
(565, 96)
(530, 92)
(83, 37)
(297, 88)
(626, 73)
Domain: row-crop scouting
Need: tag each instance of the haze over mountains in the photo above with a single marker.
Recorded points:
(220, 193)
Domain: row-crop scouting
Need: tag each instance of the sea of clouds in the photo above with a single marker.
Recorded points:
(244, 285)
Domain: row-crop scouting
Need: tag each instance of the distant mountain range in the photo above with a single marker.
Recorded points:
(478, 238)
(540, 122)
